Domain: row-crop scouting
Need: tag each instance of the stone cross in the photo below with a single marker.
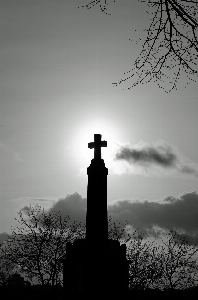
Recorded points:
(97, 144)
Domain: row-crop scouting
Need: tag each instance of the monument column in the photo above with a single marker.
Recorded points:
(97, 218)
(96, 267)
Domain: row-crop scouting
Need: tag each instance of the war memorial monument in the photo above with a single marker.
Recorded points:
(96, 267)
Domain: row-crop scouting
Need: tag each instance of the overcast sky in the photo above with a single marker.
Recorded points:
(58, 63)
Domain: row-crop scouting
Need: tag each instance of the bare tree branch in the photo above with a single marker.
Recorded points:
(171, 46)
(180, 269)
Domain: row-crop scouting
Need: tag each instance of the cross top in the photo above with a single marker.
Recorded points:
(97, 144)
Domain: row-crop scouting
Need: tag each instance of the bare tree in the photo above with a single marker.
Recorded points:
(171, 45)
(145, 269)
(169, 265)
(7, 269)
(40, 243)
(178, 258)
(118, 231)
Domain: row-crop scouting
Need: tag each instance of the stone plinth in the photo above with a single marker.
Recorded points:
(94, 272)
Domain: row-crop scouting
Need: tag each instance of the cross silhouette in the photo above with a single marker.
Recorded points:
(97, 144)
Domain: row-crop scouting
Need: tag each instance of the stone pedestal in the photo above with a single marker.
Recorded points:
(94, 272)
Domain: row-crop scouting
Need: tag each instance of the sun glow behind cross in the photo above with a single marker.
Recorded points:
(76, 149)
(88, 136)
(85, 135)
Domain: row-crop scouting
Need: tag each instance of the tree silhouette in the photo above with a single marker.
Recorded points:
(118, 231)
(171, 45)
(16, 280)
(179, 263)
(40, 243)
(7, 269)
(169, 265)
(145, 269)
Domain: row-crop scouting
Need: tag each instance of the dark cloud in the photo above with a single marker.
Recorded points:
(155, 159)
(189, 170)
(173, 212)
(148, 216)
(72, 205)
(148, 155)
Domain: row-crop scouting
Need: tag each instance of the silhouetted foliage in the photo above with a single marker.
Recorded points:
(7, 269)
(31, 292)
(40, 243)
(171, 45)
(39, 292)
(178, 262)
(145, 269)
(118, 231)
(169, 265)
(156, 294)
(16, 280)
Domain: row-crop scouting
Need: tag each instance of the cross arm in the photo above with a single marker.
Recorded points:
(103, 143)
(91, 145)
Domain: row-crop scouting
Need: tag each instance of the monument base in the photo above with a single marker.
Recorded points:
(95, 273)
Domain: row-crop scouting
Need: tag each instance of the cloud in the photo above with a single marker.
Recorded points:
(154, 159)
(15, 155)
(189, 170)
(172, 212)
(148, 155)
(150, 217)
(72, 205)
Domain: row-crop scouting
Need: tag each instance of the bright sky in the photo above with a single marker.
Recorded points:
(58, 63)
